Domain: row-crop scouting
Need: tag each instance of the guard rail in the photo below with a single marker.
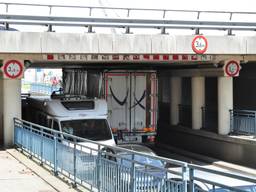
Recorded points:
(127, 18)
(88, 164)
(243, 121)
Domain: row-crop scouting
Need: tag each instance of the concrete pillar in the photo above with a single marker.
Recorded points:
(1, 109)
(225, 103)
(198, 101)
(175, 99)
(11, 108)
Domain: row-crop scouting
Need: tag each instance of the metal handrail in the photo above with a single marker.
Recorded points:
(226, 174)
(243, 121)
(87, 165)
(128, 8)
(126, 22)
(37, 140)
(171, 161)
(90, 19)
(251, 181)
(242, 111)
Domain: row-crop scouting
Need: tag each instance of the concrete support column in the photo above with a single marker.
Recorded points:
(198, 101)
(225, 103)
(11, 108)
(1, 110)
(175, 99)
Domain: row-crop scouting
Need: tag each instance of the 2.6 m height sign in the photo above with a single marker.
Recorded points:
(13, 69)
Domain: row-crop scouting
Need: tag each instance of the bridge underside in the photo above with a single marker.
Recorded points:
(187, 83)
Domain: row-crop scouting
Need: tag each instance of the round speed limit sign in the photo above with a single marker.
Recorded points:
(232, 68)
(199, 44)
(13, 69)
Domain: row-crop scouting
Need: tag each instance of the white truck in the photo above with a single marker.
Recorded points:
(132, 105)
(86, 118)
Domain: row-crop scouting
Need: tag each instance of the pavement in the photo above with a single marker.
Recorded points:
(19, 174)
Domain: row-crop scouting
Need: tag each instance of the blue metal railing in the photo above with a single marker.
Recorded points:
(88, 164)
(243, 121)
(205, 179)
(96, 167)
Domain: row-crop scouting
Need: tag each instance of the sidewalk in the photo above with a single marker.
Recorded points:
(20, 174)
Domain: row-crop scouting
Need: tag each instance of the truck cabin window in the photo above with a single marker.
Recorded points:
(93, 129)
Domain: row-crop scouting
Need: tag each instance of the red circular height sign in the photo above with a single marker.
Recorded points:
(13, 69)
(199, 44)
(232, 68)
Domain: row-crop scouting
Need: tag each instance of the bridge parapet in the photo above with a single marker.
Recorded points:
(37, 42)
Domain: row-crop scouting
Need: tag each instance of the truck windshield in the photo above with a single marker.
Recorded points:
(93, 129)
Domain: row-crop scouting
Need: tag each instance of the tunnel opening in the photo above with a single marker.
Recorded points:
(137, 94)
(131, 96)
(116, 78)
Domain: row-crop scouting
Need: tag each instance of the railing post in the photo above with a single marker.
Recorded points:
(180, 114)
(132, 176)
(55, 171)
(231, 120)
(197, 31)
(6, 26)
(98, 166)
(21, 141)
(90, 29)
(191, 180)
(163, 31)
(254, 123)
(213, 188)
(74, 163)
(185, 177)
(127, 30)
(15, 133)
(30, 142)
(203, 117)
(41, 146)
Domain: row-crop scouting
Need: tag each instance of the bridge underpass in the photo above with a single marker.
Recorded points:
(185, 78)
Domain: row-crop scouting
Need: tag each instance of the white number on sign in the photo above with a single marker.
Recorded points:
(13, 69)
(200, 44)
(232, 68)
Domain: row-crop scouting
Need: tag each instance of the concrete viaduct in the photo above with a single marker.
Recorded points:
(42, 48)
